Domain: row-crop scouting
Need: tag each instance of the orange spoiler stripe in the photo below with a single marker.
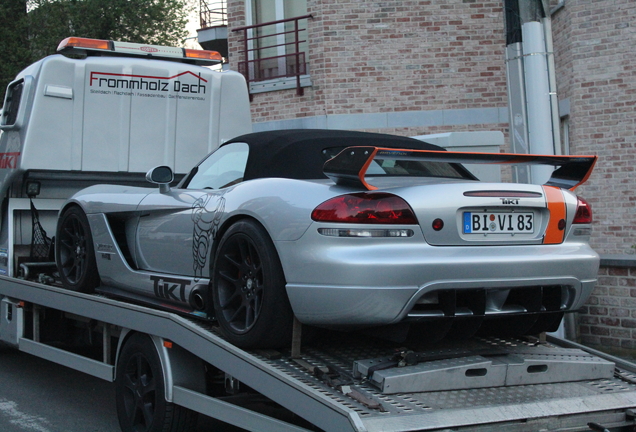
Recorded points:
(556, 207)
(349, 167)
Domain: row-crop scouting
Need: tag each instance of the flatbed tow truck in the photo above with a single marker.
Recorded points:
(68, 123)
(476, 384)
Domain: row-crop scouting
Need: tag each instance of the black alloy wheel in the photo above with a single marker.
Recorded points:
(241, 287)
(75, 253)
(140, 391)
(248, 288)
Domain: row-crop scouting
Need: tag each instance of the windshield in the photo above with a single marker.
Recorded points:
(223, 168)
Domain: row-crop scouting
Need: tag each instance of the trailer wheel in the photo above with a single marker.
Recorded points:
(248, 289)
(140, 392)
(75, 253)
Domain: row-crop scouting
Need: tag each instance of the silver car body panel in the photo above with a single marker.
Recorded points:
(332, 281)
(162, 289)
(160, 247)
(368, 281)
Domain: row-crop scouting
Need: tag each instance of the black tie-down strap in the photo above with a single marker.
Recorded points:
(344, 383)
(41, 244)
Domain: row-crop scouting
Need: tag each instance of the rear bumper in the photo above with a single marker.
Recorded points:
(363, 282)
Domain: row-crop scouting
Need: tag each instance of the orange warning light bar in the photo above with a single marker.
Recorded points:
(86, 46)
(86, 43)
(202, 55)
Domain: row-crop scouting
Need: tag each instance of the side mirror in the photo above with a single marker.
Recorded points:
(161, 175)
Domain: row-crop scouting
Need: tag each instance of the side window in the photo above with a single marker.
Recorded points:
(223, 168)
(12, 103)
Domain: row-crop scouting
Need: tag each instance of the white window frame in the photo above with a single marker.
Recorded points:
(276, 83)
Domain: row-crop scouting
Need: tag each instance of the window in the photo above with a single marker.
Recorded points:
(275, 45)
(282, 37)
(565, 135)
(556, 5)
(12, 103)
(223, 168)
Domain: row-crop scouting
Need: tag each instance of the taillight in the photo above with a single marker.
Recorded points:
(583, 212)
(365, 208)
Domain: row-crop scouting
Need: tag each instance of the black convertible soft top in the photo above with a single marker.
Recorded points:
(301, 153)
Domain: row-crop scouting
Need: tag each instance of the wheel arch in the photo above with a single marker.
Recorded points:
(271, 322)
(226, 226)
(77, 242)
(179, 366)
(70, 204)
(67, 205)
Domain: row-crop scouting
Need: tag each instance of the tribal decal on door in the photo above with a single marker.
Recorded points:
(207, 213)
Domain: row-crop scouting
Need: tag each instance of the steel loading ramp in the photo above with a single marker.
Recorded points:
(356, 405)
(481, 363)
(517, 407)
(200, 339)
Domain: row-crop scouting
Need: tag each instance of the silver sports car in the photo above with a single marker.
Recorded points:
(342, 230)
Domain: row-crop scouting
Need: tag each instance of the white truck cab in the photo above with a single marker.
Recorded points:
(108, 114)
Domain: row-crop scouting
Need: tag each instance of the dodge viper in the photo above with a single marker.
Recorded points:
(342, 230)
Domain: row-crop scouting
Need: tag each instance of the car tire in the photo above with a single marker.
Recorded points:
(248, 289)
(74, 251)
(140, 391)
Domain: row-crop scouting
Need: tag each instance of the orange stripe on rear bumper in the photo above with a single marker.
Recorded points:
(556, 207)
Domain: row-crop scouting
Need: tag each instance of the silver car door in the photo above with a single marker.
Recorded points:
(176, 229)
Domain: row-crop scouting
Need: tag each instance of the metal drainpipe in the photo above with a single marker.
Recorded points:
(554, 100)
(533, 106)
(532, 96)
(538, 97)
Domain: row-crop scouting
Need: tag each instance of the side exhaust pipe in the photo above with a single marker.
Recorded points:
(199, 298)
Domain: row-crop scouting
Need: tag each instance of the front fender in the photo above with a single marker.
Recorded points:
(109, 198)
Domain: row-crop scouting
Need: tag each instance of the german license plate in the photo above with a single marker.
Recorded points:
(498, 223)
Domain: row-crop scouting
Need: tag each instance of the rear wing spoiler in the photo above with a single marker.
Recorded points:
(350, 165)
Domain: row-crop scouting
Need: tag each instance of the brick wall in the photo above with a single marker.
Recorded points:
(236, 18)
(609, 318)
(392, 56)
(596, 69)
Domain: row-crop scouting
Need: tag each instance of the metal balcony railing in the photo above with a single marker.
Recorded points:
(212, 13)
(273, 50)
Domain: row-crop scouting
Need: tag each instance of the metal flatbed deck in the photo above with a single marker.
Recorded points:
(320, 387)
